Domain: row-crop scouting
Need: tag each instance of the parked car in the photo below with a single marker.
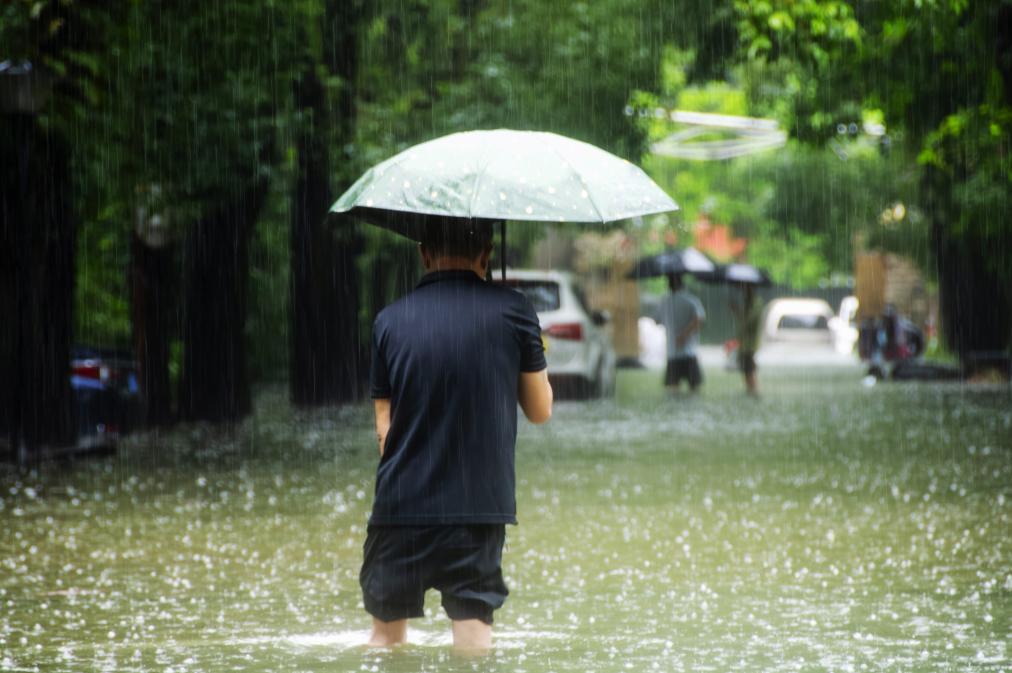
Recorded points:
(798, 320)
(577, 338)
(107, 399)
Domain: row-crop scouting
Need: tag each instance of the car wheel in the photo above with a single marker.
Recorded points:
(584, 388)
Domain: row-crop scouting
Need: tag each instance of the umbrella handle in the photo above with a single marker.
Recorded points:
(502, 236)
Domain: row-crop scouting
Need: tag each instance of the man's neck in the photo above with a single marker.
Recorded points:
(456, 264)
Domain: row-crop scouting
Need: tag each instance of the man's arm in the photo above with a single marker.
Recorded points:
(382, 407)
(535, 396)
(693, 325)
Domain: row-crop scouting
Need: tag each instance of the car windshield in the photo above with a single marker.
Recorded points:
(803, 321)
(543, 294)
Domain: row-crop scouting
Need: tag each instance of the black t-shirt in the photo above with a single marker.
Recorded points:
(449, 356)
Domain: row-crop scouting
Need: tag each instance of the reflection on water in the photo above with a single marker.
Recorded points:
(826, 526)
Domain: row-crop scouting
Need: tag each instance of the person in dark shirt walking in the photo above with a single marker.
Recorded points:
(748, 318)
(450, 362)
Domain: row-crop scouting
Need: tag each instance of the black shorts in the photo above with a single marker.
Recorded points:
(463, 562)
(746, 362)
(683, 368)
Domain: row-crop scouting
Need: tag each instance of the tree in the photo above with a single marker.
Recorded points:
(214, 385)
(324, 290)
(54, 52)
(200, 126)
(940, 73)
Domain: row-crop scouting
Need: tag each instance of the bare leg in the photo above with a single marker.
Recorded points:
(751, 385)
(472, 635)
(388, 634)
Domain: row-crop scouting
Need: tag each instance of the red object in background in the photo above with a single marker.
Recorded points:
(88, 369)
(572, 331)
(717, 241)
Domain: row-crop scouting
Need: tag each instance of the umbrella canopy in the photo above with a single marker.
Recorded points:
(683, 260)
(745, 274)
(502, 175)
(742, 274)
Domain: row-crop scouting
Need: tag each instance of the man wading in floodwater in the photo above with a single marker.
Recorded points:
(450, 362)
(682, 315)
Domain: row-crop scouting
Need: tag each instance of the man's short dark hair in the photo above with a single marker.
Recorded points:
(457, 236)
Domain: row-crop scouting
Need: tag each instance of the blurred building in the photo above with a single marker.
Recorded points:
(882, 279)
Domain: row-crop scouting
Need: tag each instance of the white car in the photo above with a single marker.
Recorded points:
(798, 320)
(577, 338)
(802, 331)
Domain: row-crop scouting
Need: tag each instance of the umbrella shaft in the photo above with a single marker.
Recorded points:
(502, 247)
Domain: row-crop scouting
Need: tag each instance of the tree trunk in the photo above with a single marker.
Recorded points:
(326, 348)
(313, 376)
(152, 320)
(37, 240)
(214, 385)
(975, 304)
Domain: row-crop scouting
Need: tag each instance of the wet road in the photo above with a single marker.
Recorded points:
(825, 526)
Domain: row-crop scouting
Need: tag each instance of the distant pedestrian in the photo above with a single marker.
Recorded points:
(682, 315)
(450, 362)
(748, 319)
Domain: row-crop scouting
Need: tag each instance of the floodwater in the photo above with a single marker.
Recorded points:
(827, 526)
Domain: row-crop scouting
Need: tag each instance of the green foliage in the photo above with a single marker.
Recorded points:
(267, 325)
(103, 313)
(973, 147)
(800, 47)
(940, 72)
(431, 68)
(801, 207)
(68, 42)
(791, 256)
(195, 98)
(201, 122)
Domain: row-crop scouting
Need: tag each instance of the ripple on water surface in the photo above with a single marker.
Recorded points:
(826, 526)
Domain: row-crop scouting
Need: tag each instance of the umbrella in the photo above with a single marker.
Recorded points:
(742, 274)
(745, 274)
(683, 260)
(502, 175)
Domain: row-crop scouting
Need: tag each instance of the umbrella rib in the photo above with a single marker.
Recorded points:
(586, 188)
(474, 194)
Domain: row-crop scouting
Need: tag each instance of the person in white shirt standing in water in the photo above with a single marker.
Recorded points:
(682, 315)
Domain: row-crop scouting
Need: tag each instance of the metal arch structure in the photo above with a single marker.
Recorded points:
(751, 135)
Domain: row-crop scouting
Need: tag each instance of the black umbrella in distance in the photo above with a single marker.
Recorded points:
(678, 261)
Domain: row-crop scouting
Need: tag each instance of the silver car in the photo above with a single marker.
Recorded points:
(577, 338)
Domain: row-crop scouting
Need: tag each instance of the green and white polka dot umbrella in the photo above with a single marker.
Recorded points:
(502, 175)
